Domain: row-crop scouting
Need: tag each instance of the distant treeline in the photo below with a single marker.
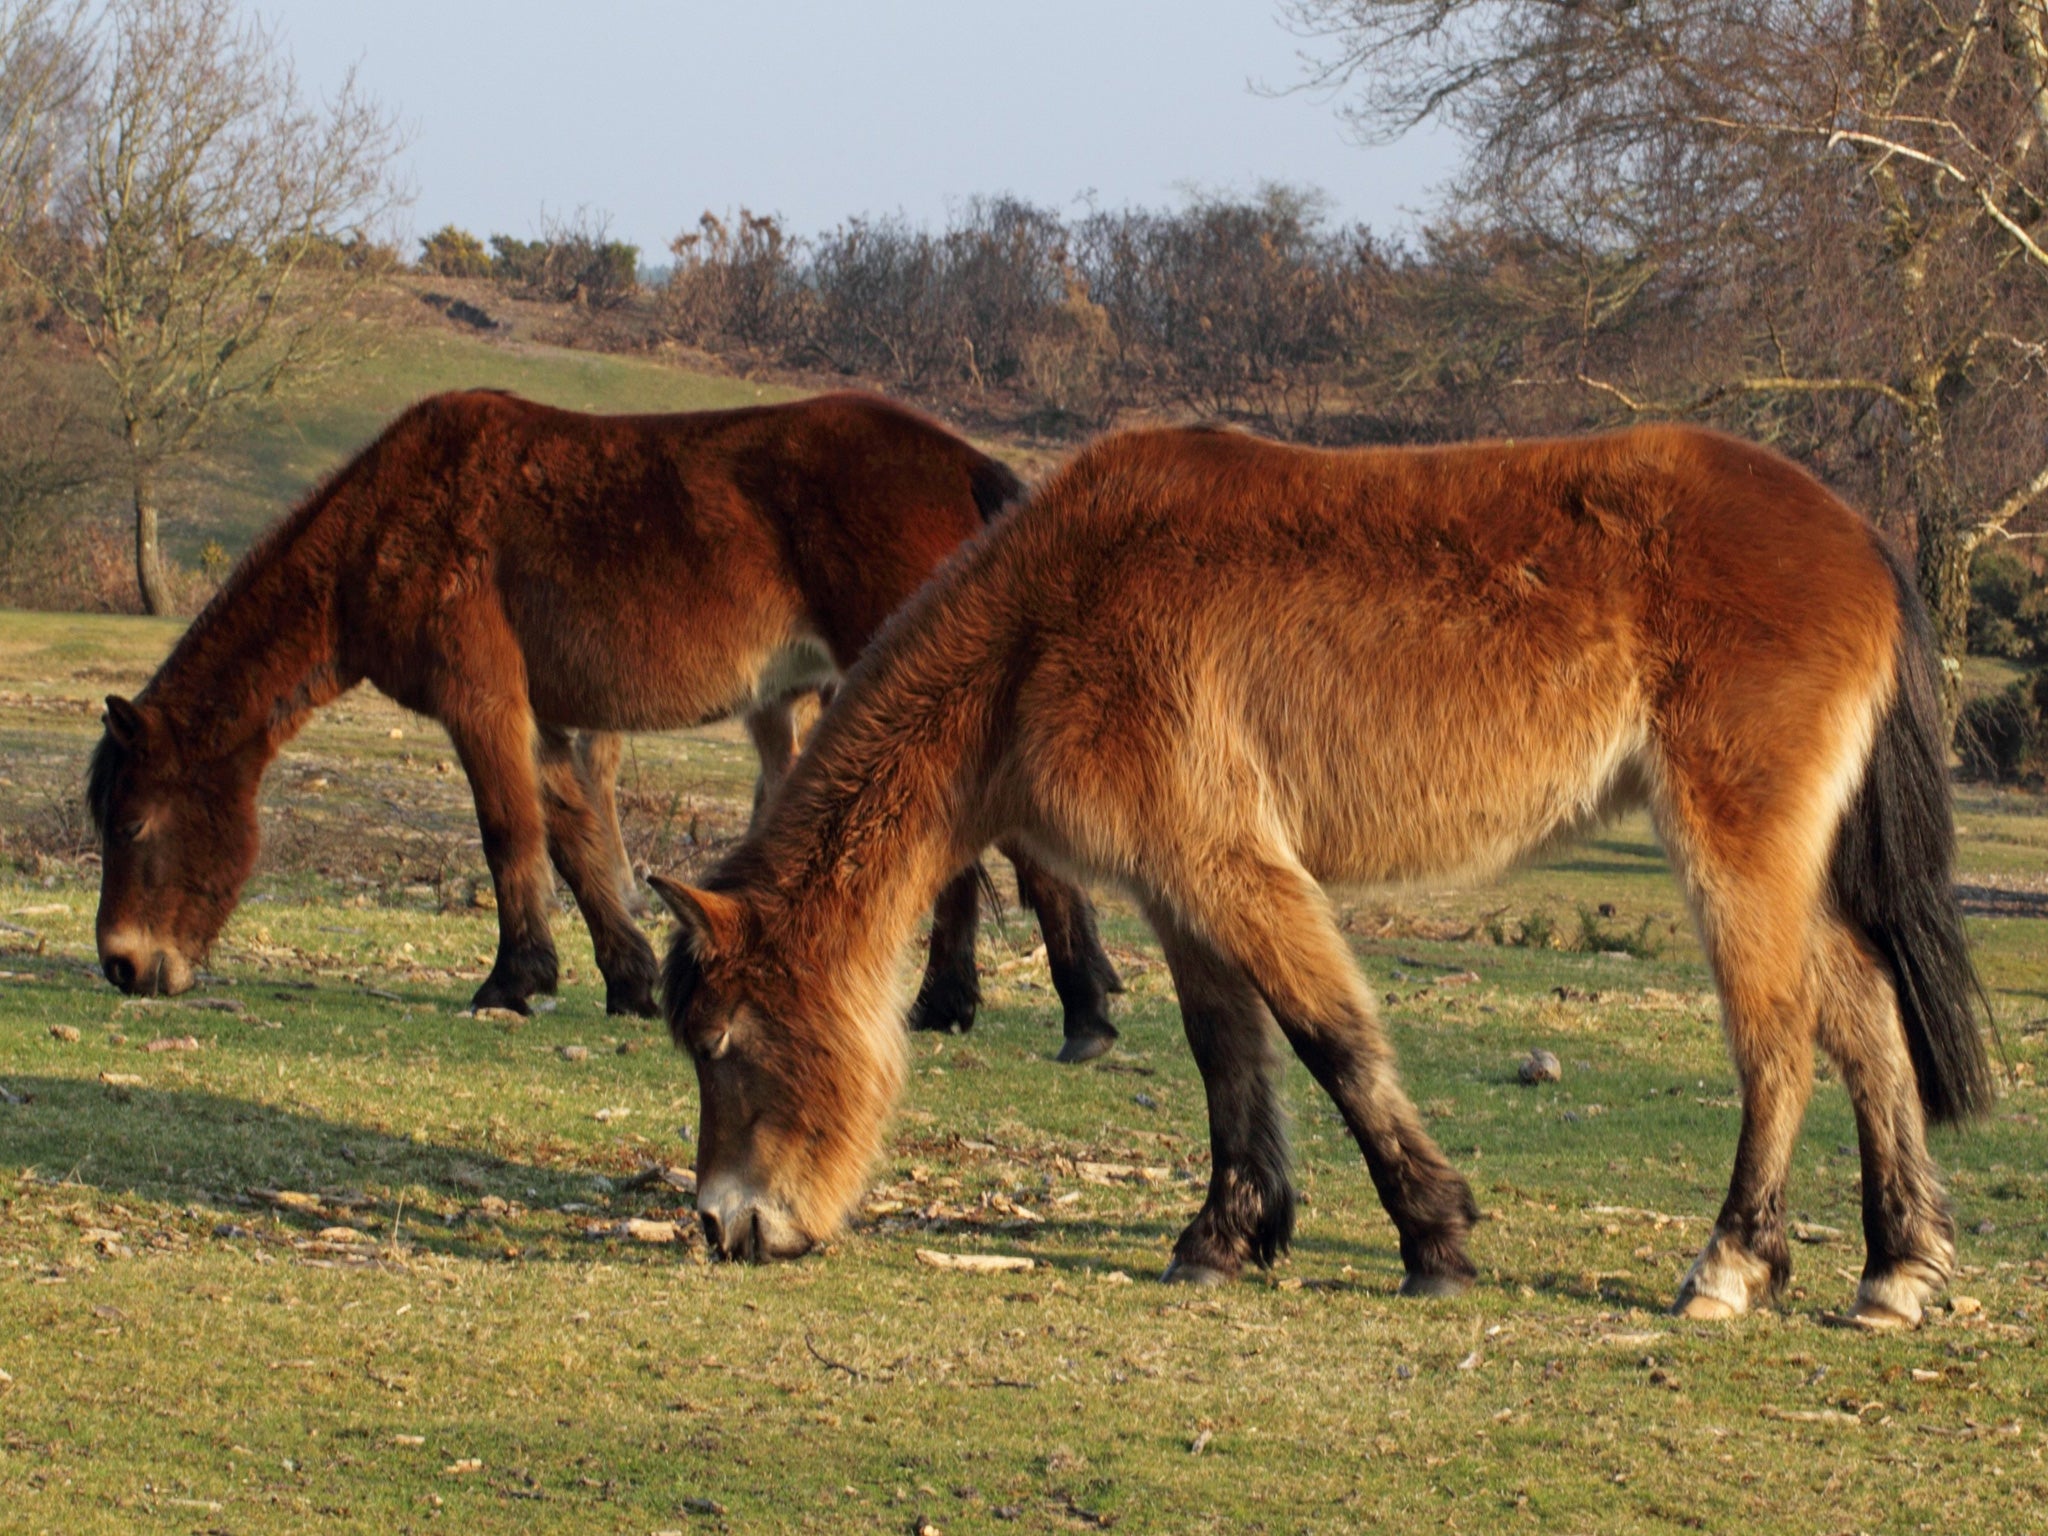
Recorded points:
(1251, 308)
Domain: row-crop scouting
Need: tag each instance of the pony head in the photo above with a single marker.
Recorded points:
(795, 1077)
(176, 843)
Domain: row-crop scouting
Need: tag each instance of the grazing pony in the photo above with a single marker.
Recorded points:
(523, 574)
(1220, 671)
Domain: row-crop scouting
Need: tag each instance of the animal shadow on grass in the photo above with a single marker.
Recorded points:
(297, 1174)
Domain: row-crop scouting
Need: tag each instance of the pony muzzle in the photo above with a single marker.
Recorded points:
(141, 967)
(744, 1225)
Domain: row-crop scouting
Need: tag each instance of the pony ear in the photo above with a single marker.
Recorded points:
(124, 720)
(712, 924)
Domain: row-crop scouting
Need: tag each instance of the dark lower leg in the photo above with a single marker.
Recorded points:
(1908, 1229)
(1430, 1203)
(1082, 974)
(950, 993)
(1248, 1216)
(514, 848)
(1266, 913)
(581, 847)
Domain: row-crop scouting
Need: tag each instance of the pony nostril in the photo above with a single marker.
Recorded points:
(713, 1232)
(120, 971)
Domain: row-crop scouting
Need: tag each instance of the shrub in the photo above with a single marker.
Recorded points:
(1248, 308)
(2003, 736)
(2008, 608)
(736, 283)
(1068, 360)
(576, 262)
(452, 252)
(883, 304)
(1596, 938)
(1240, 308)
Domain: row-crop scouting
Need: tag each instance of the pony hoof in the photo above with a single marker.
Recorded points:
(931, 1019)
(1187, 1272)
(1414, 1284)
(507, 1002)
(1704, 1309)
(637, 1001)
(1076, 1049)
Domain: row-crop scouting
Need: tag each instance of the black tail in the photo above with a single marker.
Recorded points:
(1894, 881)
(995, 486)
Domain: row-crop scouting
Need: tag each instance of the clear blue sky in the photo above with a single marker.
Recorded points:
(818, 109)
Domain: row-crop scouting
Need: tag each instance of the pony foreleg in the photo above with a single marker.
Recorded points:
(580, 845)
(495, 742)
(1249, 1214)
(1264, 912)
(1081, 973)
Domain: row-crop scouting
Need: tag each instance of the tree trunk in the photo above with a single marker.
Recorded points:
(1944, 575)
(1945, 542)
(149, 559)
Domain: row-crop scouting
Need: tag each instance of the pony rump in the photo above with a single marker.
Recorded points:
(1893, 879)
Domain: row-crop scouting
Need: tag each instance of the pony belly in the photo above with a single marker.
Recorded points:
(1471, 809)
(673, 690)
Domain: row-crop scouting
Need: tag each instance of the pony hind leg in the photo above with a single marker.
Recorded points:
(1249, 1214)
(771, 726)
(1757, 927)
(1908, 1231)
(1082, 974)
(1265, 913)
(598, 754)
(778, 728)
(581, 845)
(950, 993)
(495, 739)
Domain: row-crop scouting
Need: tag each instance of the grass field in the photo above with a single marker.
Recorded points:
(337, 1257)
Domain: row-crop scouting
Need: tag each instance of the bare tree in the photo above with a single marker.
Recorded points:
(44, 66)
(1845, 200)
(217, 228)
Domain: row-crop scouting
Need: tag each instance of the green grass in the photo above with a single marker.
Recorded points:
(187, 1346)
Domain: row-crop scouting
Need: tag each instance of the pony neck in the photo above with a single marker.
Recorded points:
(260, 657)
(879, 812)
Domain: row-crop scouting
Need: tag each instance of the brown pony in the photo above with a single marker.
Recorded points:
(1221, 671)
(522, 574)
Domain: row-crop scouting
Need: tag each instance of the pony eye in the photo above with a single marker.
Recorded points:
(714, 1048)
(132, 831)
